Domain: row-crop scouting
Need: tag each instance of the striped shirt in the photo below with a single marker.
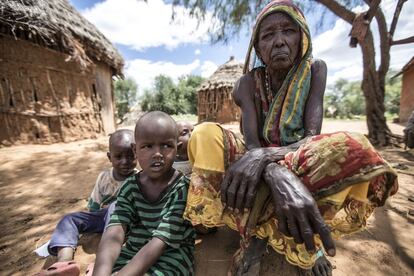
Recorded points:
(162, 219)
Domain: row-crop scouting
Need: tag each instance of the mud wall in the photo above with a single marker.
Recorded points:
(103, 86)
(407, 95)
(217, 106)
(45, 99)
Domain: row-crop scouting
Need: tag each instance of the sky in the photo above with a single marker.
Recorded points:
(152, 44)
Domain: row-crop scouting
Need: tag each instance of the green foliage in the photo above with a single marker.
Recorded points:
(392, 93)
(346, 100)
(171, 98)
(125, 96)
(231, 16)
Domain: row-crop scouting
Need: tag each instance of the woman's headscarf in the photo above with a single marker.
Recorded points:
(283, 123)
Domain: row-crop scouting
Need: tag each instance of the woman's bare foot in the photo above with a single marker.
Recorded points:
(249, 264)
(322, 267)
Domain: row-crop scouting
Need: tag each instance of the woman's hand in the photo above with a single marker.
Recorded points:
(296, 210)
(239, 185)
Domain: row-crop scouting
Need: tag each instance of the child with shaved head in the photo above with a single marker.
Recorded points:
(149, 210)
(182, 162)
(66, 235)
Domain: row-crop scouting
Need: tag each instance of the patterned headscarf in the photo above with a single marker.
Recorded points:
(283, 123)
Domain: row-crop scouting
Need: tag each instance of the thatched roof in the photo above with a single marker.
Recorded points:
(224, 77)
(58, 25)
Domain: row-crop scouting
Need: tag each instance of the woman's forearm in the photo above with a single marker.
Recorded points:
(109, 249)
(275, 154)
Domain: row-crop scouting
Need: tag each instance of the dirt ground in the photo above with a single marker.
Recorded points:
(41, 183)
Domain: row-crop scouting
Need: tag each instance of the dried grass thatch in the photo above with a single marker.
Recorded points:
(224, 77)
(58, 25)
(215, 101)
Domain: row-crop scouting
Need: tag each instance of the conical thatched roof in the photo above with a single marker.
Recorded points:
(224, 77)
(58, 25)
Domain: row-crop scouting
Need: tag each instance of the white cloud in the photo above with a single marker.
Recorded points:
(197, 52)
(208, 68)
(344, 62)
(144, 24)
(144, 71)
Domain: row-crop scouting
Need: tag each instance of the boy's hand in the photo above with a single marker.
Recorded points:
(145, 258)
(109, 249)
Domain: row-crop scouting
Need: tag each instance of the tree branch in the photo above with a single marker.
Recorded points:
(361, 23)
(384, 45)
(402, 41)
(398, 9)
(338, 10)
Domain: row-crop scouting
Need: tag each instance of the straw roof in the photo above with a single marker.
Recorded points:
(224, 77)
(58, 25)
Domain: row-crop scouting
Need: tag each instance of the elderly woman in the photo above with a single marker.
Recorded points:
(284, 184)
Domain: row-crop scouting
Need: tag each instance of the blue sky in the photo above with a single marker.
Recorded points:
(152, 44)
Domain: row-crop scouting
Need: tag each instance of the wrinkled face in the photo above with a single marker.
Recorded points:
(156, 147)
(184, 132)
(122, 157)
(278, 41)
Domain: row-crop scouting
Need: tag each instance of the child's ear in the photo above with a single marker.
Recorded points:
(108, 154)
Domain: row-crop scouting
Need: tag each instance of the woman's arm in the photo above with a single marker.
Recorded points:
(296, 210)
(243, 95)
(145, 258)
(109, 249)
(314, 105)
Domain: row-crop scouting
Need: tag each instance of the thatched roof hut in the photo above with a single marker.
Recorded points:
(55, 74)
(215, 100)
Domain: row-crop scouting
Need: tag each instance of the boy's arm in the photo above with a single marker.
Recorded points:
(145, 258)
(109, 249)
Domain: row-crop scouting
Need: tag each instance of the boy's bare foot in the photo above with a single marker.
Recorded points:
(65, 254)
(249, 264)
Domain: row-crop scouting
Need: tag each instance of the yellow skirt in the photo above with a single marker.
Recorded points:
(344, 173)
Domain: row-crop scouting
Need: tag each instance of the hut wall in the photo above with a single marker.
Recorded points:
(103, 86)
(407, 95)
(217, 106)
(43, 98)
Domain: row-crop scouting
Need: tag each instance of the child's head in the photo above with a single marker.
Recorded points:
(156, 143)
(121, 154)
(184, 131)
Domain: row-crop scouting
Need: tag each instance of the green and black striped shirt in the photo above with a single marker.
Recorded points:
(162, 219)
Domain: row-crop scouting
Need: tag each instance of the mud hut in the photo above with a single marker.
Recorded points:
(56, 73)
(215, 100)
(407, 91)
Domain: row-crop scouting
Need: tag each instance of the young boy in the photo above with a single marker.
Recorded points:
(181, 162)
(149, 210)
(66, 235)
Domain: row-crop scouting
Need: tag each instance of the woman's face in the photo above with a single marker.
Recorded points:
(278, 42)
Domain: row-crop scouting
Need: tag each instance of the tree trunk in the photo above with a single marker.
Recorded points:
(373, 87)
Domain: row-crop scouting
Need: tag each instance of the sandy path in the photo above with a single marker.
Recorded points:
(41, 183)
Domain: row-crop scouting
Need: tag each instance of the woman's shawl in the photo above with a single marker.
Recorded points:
(283, 112)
